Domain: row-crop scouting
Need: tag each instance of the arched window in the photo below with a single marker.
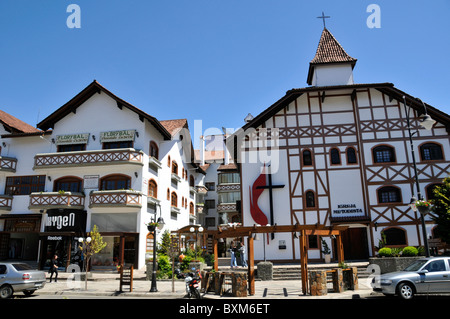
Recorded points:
(307, 158)
(191, 208)
(154, 151)
(310, 199)
(191, 181)
(389, 194)
(383, 154)
(431, 152)
(152, 189)
(335, 156)
(113, 182)
(174, 199)
(168, 194)
(68, 184)
(395, 236)
(168, 161)
(174, 167)
(351, 156)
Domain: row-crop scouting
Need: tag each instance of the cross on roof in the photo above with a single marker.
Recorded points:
(323, 17)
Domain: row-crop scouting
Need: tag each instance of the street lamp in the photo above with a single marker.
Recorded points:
(196, 229)
(160, 223)
(426, 123)
(85, 246)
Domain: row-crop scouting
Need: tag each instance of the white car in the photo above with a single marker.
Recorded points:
(16, 276)
(424, 276)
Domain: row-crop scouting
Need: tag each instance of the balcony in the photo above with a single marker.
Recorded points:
(50, 200)
(8, 164)
(89, 158)
(228, 187)
(5, 202)
(115, 198)
(154, 163)
(227, 207)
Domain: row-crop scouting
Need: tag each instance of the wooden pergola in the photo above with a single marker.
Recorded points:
(248, 231)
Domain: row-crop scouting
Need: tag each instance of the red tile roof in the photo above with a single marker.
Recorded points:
(15, 125)
(173, 126)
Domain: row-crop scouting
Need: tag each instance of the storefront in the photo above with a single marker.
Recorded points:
(62, 229)
(19, 236)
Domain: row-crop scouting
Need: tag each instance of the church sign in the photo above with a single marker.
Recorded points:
(347, 210)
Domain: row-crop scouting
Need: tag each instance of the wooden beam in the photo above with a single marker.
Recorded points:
(340, 248)
(251, 265)
(216, 253)
(304, 261)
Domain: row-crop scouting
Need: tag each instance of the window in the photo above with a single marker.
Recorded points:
(229, 178)
(174, 167)
(210, 203)
(114, 182)
(210, 186)
(24, 185)
(431, 152)
(168, 194)
(168, 161)
(335, 156)
(313, 242)
(71, 147)
(351, 156)
(395, 236)
(191, 181)
(152, 189)
(154, 151)
(191, 208)
(435, 265)
(430, 190)
(310, 199)
(68, 184)
(174, 199)
(307, 157)
(389, 194)
(383, 154)
(121, 144)
(229, 197)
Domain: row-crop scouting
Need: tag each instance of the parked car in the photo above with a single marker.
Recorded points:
(424, 276)
(16, 276)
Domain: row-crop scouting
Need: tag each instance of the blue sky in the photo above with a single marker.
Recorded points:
(211, 60)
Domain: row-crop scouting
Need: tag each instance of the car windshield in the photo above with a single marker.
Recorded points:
(415, 266)
(20, 267)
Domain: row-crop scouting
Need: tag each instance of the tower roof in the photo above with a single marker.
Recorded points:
(330, 51)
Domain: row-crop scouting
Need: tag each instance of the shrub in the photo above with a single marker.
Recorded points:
(164, 267)
(385, 252)
(410, 251)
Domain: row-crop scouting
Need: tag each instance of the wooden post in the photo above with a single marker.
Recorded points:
(340, 248)
(251, 265)
(216, 253)
(304, 261)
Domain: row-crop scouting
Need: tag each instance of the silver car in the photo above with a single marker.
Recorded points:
(16, 276)
(424, 276)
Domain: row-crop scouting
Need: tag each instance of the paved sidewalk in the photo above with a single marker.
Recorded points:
(107, 285)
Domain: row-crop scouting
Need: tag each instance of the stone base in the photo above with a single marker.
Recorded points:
(318, 282)
(265, 270)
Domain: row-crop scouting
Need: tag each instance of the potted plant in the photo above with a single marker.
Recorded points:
(152, 226)
(326, 251)
(423, 206)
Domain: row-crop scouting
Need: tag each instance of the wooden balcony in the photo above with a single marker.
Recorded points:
(89, 158)
(115, 198)
(50, 200)
(5, 202)
(8, 164)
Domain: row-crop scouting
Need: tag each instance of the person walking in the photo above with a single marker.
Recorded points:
(54, 268)
(243, 255)
(233, 254)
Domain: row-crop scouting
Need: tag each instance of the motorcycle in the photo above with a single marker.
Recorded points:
(192, 280)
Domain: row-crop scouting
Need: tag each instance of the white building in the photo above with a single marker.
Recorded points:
(340, 155)
(97, 160)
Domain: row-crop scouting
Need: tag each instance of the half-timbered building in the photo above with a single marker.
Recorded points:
(338, 153)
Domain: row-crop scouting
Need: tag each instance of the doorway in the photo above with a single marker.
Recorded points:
(355, 243)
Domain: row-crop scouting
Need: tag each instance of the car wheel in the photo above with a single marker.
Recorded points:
(6, 292)
(406, 290)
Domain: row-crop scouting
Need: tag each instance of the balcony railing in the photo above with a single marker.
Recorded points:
(228, 187)
(83, 158)
(5, 202)
(226, 207)
(49, 200)
(115, 198)
(8, 164)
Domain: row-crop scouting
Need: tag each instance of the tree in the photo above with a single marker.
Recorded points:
(441, 208)
(91, 246)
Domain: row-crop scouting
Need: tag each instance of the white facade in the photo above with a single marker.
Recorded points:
(115, 185)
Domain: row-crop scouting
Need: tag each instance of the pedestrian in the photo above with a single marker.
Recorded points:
(233, 254)
(54, 268)
(243, 254)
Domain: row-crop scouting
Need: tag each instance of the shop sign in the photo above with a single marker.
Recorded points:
(72, 139)
(65, 220)
(347, 210)
(115, 136)
(90, 181)
(54, 237)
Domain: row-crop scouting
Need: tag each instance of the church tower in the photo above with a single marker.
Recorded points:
(331, 64)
